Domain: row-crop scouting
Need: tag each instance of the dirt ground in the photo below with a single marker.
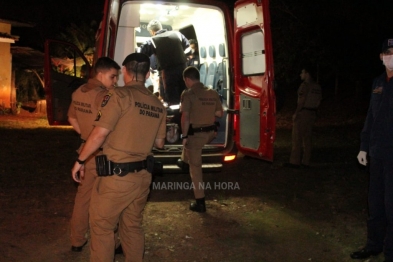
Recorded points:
(270, 213)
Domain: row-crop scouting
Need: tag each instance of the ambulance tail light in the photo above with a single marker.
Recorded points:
(229, 158)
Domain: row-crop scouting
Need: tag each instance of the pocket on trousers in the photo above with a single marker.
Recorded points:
(114, 185)
(113, 196)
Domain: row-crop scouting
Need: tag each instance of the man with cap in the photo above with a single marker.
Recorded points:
(81, 115)
(377, 147)
(131, 120)
(168, 48)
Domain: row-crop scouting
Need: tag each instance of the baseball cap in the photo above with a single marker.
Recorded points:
(138, 57)
(388, 43)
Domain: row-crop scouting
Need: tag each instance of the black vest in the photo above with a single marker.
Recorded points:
(169, 49)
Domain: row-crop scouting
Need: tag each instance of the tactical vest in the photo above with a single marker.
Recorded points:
(169, 49)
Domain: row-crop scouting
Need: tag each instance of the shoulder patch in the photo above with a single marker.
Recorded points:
(106, 99)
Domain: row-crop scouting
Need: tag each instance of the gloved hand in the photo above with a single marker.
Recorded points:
(362, 158)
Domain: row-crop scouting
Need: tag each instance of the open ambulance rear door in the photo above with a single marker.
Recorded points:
(66, 69)
(253, 79)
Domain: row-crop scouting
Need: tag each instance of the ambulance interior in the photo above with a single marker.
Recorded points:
(204, 23)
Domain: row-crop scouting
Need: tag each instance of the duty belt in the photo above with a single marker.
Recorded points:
(205, 129)
(122, 169)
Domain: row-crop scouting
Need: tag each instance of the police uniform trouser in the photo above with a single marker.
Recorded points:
(192, 154)
(302, 137)
(380, 205)
(120, 200)
(80, 214)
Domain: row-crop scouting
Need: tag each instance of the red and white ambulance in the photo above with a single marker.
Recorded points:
(236, 59)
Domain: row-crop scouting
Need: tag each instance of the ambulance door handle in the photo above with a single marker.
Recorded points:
(233, 111)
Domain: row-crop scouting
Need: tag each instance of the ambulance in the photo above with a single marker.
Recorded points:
(236, 60)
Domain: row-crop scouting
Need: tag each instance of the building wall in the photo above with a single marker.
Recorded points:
(5, 69)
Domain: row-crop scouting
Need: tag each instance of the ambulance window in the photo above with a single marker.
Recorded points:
(66, 60)
(253, 53)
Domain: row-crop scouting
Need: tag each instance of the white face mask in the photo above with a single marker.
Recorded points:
(388, 61)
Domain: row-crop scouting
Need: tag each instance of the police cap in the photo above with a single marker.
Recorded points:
(137, 57)
(388, 43)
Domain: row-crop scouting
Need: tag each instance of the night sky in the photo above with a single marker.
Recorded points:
(49, 17)
(342, 36)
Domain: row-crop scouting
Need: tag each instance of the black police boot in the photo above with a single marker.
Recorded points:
(199, 206)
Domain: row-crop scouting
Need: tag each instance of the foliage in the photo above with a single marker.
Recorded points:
(29, 87)
(81, 35)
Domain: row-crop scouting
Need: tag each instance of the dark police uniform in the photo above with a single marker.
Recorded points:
(169, 49)
(309, 98)
(84, 107)
(201, 103)
(136, 118)
(377, 140)
(193, 59)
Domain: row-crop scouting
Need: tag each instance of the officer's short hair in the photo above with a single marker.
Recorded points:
(137, 64)
(310, 69)
(105, 63)
(192, 73)
(193, 42)
(154, 25)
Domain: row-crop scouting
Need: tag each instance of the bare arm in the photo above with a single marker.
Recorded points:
(93, 143)
(74, 123)
(159, 142)
(218, 113)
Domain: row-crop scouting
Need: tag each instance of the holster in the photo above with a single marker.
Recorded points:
(103, 166)
(190, 130)
(150, 163)
(154, 167)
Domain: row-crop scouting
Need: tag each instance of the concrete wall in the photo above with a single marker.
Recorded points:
(5, 69)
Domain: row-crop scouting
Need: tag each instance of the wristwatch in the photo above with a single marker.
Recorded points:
(80, 161)
(183, 137)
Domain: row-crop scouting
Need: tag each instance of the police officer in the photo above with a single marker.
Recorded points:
(377, 143)
(81, 114)
(309, 98)
(168, 48)
(199, 108)
(130, 121)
